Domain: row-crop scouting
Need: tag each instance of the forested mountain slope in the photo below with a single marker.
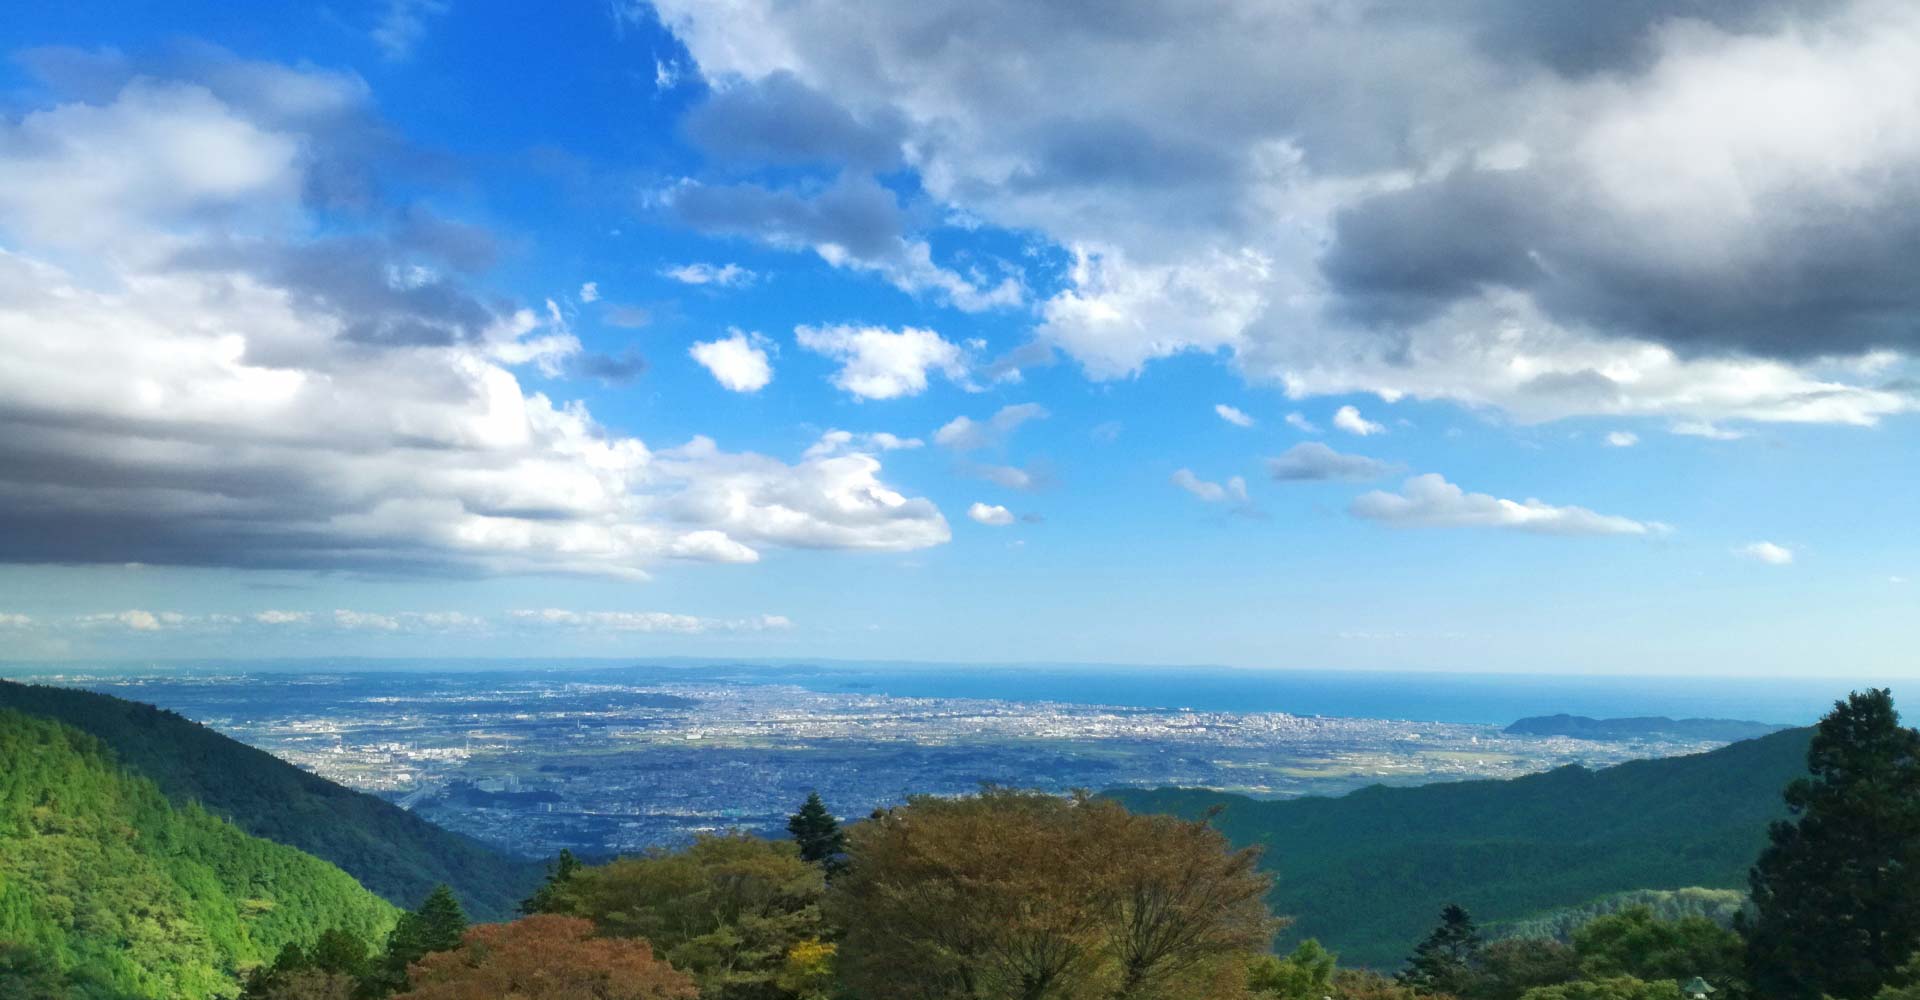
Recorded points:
(1368, 872)
(391, 851)
(109, 891)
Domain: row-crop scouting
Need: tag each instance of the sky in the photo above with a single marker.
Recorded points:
(1443, 336)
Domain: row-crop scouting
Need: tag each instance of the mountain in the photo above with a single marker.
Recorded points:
(1721, 906)
(391, 851)
(1642, 728)
(107, 890)
(1367, 873)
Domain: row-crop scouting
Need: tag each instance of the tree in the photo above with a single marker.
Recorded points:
(1616, 988)
(1306, 974)
(729, 910)
(821, 840)
(565, 867)
(1509, 968)
(1448, 960)
(1836, 893)
(337, 950)
(546, 957)
(1021, 894)
(437, 925)
(1636, 943)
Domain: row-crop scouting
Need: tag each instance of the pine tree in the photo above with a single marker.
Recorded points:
(1836, 894)
(545, 898)
(1448, 960)
(819, 835)
(437, 925)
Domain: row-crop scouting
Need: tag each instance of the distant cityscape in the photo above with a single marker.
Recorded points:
(618, 761)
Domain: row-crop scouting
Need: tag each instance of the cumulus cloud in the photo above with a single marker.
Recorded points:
(1299, 422)
(1232, 415)
(1312, 461)
(1429, 501)
(838, 442)
(1348, 419)
(992, 515)
(697, 273)
(1674, 211)
(215, 387)
(1766, 552)
(1234, 489)
(964, 433)
(878, 363)
(590, 292)
(276, 617)
(738, 361)
(1703, 429)
(1622, 439)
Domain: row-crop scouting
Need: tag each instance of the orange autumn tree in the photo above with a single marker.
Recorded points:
(546, 957)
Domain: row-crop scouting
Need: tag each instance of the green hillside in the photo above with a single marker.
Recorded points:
(391, 851)
(1366, 873)
(107, 886)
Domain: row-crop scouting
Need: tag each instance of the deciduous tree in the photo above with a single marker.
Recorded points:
(546, 957)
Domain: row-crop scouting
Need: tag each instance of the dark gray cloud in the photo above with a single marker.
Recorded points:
(780, 120)
(1312, 461)
(1579, 39)
(855, 213)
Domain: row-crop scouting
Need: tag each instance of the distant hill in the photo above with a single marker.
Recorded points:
(1368, 872)
(391, 851)
(1642, 728)
(108, 890)
(1718, 905)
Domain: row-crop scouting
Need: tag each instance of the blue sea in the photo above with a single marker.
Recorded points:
(1428, 697)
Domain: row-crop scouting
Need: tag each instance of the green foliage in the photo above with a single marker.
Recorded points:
(1636, 943)
(729, 910)
(435, 925)
(1449, 959)
(120, 894)
(817, 833)
(1619, 988)
(389, 850)
(1306, 974)
(1508, 969)
(565, 867)
(1837, 893)
(1722, 906)
(1364, 872)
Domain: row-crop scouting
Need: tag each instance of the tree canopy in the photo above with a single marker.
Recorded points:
(546, 957)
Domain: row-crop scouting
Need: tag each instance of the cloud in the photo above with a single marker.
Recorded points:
(1766, 552)
(274, 617)
(966, 434)
(1429, 501)
(590, 292)
(217, 386)
(645, 621)
(1233, 416)
(878, 363)
(780, 120)
(992, 515)
(738, 361)
(1596, 211)
(1009, 477)
(1234, 489)
(1299, 422)
(12, 620)
(1348, 419)
(725, 276)
(1312, 461)
(1622, 439)
(838, 442)
(403, 24)
(1703, 429)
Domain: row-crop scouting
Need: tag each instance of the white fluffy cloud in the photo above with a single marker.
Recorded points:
(645, 621)
(1429, 501)
(698, 273)
(990, 514)
(212, 387)
(1348, 419)
(878, 363)
(1622, 439)
(1234, 489)
(1458, 206)
(1233, 415)
(1766, 552)
(737, 361)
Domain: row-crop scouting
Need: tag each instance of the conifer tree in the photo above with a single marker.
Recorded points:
(436, 925)
(1447, 961)
(544, 899)
(1836, 894)
(816, 831)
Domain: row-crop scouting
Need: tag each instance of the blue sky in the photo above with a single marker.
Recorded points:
(1456, 340)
